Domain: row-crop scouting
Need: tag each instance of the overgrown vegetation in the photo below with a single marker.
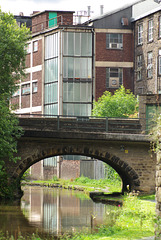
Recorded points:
(86, 184)
(12, 62)
(122, 103)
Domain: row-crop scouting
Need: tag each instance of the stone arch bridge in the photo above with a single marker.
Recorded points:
(117, 142)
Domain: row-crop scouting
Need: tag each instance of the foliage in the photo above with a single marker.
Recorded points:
(113, 185)
(121, 104)
(12, 62)
(13, 40)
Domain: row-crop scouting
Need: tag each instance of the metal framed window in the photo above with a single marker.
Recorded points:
(150, 30)
(114, 77)
(140, 34)
(114, 41)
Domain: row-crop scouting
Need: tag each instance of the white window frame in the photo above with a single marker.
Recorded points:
(139, 68)
(150, 64)
(33, 88)
(28, 86)
(150, 30)
(35, 46)
(140, 34)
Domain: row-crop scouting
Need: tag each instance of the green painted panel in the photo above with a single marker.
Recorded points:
(52, 19)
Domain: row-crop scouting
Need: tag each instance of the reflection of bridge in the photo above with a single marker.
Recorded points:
(117, 142)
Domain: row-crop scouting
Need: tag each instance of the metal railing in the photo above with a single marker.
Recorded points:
(82, 123)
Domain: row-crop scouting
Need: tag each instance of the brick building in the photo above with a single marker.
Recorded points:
(68, 66)
(147, 78)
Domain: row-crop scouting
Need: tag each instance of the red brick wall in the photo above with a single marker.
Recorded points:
(101, 81)
(67, 18)
(37, 56)
(38, 20)
(25, 101)
(27, 63)
(103, 54)
(37, 97)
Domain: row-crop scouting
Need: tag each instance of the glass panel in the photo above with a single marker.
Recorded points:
(77, 67)
(89, 67)
(65, 92)
(65, 42)
(89, 47)
(77, 109)
(65, 109)
(51, 93)
(89, 95)
(70, 92)
(83, 110)
(83, 92)
(51, 109)
(77, 44)
(84, 44)
(70, 43)
(65, 67)
(76, 92)
(70, 67)
(89, 109)
(70, 109)
(84, 68)
(51, 46)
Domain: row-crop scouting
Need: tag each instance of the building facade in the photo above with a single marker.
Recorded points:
(147, 78)
(68, 66)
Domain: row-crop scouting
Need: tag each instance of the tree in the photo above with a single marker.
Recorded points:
(13, 40)
(122, 103)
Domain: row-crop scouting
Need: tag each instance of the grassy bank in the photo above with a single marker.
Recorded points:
(85, 184)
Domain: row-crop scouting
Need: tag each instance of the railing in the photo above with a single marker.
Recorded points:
(45, 122)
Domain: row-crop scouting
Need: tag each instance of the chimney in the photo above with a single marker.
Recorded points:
(101, 9)
(21, 14)
(89, 11)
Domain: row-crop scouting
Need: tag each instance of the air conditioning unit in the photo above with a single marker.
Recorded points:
(114, 82)
(115, 45)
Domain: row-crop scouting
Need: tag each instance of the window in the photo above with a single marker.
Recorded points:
(77, 44)
(139, 67)
(149, 65)
(34, 87)
(150, 30)
(114, 77)
(29, 48)
(160, 26)
(140, 34)
(25, 89)
(35, 46)
(114, 41)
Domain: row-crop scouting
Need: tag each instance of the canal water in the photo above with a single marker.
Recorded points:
(51, 211)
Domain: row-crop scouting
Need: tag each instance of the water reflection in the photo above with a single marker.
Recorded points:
(51, 211)
(58, 210)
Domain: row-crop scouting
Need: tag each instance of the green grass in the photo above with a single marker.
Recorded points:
(87, 184)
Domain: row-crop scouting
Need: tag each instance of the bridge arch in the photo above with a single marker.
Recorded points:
(126, 172)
